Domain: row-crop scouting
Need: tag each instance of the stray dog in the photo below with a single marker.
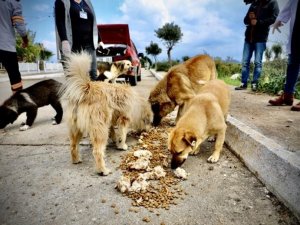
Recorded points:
(91, 106)
(180, 84)
(29, 100)
(110, 71)
(140, 120)
(203, 115)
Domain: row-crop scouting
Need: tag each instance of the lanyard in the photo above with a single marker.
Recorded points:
(80, 5)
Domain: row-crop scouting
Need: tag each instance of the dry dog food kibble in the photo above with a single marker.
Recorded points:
(147, 176)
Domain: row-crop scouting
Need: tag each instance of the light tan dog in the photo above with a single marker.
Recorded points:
(180, 84)
(203, 116)
(90, 107)
(140, 120)
(110, 71)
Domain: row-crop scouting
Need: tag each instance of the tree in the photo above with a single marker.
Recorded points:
(171, 34)
(45, 54)
(184, 58)
(154, 50)
(277, 49)
(34, 51)
(268, 54)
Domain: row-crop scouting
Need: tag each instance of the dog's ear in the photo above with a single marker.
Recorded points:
(190, 138)
(122, 65)
(115, 64)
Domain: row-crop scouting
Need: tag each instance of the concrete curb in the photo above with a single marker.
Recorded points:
(276, 167)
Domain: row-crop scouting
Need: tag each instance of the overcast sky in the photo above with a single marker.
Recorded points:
(211, 26)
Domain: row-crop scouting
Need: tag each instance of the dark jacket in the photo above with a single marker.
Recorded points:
(266, 12)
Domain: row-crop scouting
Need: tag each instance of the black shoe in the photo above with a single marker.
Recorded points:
(241, 87)
(254, 87)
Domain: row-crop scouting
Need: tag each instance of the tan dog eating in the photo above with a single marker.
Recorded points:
(180, 84)
(203, 116)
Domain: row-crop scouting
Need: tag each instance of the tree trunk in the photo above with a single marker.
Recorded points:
(169, 56)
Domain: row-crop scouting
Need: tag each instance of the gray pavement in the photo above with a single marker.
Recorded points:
(39, 185)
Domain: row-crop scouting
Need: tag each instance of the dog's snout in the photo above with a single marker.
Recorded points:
(156, 120)
(176, 162)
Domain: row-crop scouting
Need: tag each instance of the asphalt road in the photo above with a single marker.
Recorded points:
(40, 185)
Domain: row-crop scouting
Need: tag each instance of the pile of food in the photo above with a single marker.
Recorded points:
(147, 177)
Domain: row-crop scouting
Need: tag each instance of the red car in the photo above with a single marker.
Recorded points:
(119, 46)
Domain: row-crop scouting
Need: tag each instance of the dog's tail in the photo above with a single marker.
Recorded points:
(78, 82)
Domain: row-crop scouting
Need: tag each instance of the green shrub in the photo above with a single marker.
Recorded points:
(273, 77)
(226, 69)
(271, 81)
(164, 65)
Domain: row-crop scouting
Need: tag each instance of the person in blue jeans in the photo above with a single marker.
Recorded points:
(260, 16)
(290, 12)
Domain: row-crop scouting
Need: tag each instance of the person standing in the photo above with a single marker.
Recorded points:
(10, 19)
(290, 12)
(76, 28)
(261, 14)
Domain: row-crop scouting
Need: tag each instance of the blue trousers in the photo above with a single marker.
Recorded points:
(258, 49)
(292, 74)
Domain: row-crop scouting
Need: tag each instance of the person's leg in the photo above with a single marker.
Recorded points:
(292, 77)
(93, 72)
(260, 47)
(247, 54)
(10, 62)
(292, 74)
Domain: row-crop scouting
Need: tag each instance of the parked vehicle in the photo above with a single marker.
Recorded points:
(119, 46)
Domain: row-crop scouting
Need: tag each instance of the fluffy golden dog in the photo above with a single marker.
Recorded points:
(90, 107)
(181, 83)
(110, 71)
(140, 120)
(203, 116)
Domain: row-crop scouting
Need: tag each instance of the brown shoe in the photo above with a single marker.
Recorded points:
(284, 99)
(296, 107)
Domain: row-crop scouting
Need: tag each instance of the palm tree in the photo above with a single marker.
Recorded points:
(268, 54)
(153, 49)
(277, 49)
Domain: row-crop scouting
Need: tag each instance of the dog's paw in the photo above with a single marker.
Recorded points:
(172, 123)
(54, 122)
(123, 147)
(194, 153)
(24, 127)
(104, 172)
(211, 139)
(76, 161)
(214, 158)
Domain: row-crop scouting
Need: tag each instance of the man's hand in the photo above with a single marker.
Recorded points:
(253, 22)
(276, 26)
(252, 15)
(25, 41)
(65, 47)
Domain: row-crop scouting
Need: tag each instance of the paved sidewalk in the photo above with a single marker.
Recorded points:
(265, 138)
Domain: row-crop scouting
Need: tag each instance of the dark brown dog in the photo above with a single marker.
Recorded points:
(29, 100)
